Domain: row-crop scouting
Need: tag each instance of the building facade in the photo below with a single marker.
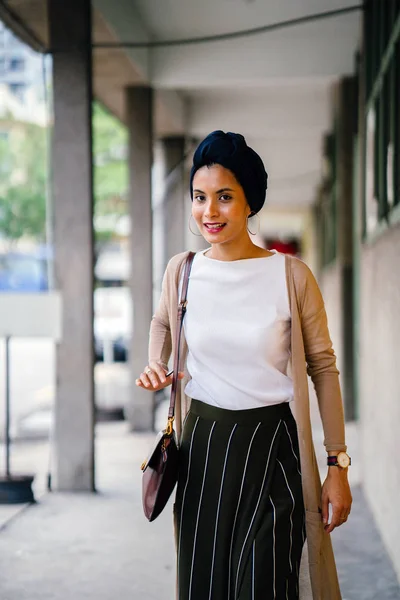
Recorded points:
(358, 225)
(20, 67)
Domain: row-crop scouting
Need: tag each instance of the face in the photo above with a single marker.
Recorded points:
(219, 206)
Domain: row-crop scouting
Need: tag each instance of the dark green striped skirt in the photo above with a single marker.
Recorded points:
(239, 505)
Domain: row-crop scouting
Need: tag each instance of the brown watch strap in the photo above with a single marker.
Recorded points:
(181, 314)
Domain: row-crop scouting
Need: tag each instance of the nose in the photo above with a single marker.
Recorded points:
(210, 209)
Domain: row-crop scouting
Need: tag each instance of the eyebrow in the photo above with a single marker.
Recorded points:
(218, 191)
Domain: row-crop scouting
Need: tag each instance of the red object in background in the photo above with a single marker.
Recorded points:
(288, 247)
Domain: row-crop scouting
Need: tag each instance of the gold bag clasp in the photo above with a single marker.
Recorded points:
(170, 426)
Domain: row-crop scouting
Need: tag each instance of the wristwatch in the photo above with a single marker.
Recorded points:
(342, 460)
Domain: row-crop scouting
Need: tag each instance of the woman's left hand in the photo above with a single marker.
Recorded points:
(336, 491)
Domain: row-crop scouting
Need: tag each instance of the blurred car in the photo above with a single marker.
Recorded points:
(112, 308)
(22, 272)
(112, 331)
(27, 272)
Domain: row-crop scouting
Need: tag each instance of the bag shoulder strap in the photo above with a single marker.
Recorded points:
(181, 314)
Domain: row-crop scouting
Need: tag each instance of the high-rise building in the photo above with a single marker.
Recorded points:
(22, 74)
(20, 67)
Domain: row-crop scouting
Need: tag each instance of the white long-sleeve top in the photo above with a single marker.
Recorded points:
(237, 327)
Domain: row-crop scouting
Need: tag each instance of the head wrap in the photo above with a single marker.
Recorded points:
(231, 151)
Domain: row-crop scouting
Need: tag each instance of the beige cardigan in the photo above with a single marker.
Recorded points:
(312, 353)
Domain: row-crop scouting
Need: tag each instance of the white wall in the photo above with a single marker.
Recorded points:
(380, 384)
(331, 287)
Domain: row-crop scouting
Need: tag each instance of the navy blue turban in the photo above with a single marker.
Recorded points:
(231, 151)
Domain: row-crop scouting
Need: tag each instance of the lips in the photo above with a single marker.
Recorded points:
(214, 227)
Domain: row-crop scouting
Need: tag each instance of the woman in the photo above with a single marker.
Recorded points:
(249, 491)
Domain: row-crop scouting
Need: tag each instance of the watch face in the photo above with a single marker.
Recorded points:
(343, 460)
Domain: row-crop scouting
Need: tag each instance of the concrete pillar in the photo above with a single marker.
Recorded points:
(174, 197)
(139, 111)
(158, 194)
(194, 242)
(346, 130)
(346, 116)
(70, 36)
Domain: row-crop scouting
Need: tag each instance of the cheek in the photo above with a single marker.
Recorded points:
(197, 211)
(235, 214)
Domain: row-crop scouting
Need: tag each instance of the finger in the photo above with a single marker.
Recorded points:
(342, 521)
(161, 374)
(166, 381)
(335, 521)
(145, 380)
(152, 377)
(181, 375)
(325, 509)
(345, 515)
(155, 382)
(139, 382)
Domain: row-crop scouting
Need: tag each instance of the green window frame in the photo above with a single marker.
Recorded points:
(381, 167)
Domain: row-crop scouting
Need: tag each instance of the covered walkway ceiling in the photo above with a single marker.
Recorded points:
(273, 87)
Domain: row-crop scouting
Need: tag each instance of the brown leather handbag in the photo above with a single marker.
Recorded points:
(160, 470)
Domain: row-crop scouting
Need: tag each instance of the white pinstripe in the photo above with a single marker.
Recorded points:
(253, 578)
(294, 453)
(257, 505)
(218, 508)
(237, 509)
(185, 419)
(198, 511)
(184, 491)
(274, 545)
(291, 517)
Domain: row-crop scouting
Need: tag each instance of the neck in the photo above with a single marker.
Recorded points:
(234, 250)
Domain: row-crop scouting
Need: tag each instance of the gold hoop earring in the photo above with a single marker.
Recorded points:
(198, 234)
(259, 221)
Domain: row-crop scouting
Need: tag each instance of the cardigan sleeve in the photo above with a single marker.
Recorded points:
(321, 360)
(160, 344)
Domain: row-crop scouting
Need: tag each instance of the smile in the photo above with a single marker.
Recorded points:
(214, 227)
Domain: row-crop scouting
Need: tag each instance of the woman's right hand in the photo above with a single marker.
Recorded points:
(153, 377)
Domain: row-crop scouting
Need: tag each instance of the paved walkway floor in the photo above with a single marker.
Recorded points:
(100, 547)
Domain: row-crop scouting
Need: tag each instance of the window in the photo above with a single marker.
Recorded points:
(382, 120)
(17, 64)
(18, 89)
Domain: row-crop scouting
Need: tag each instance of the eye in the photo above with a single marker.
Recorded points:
(225, 198)
(199, 198)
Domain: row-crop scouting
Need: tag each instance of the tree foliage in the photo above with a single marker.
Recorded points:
(110, 166)
(24, 174)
